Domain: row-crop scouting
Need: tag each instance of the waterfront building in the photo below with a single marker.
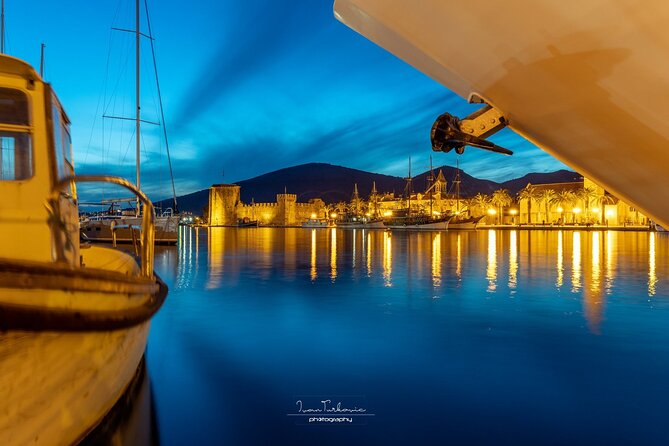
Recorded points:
(227, 209)
(579, 202)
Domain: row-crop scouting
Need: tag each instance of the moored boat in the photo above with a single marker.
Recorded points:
(464, 222)
(74, 319)
(316, 223)
(418, 223)
(361, 223)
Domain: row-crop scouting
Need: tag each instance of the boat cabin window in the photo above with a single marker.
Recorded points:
(13, 107)
(62, 142)
(15, 139)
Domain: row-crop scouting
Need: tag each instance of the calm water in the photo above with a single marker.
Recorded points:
(486, 337)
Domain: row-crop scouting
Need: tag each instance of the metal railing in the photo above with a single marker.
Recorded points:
(148, 216)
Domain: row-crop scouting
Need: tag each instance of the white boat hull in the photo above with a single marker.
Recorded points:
(586, 81)
(167, 230)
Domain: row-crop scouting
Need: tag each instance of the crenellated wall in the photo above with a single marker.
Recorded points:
(225, 209)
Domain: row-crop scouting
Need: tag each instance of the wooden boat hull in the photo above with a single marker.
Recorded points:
(57, 386)
(465, 223)
(70, 343)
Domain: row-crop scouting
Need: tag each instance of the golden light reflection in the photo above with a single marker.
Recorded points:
(610, 273)
(314, 270)
(576, 262)
(333, 254)
(458, 258)
(387, 258)
(197, 246)
(596, 259)
(354, 243)
(436, 260)
(652, 276)
(560, 260)
(593, 297)
(513, 259)
(491, 270)
(369, 254)
(215, 258)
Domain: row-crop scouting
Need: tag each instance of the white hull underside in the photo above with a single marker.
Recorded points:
(586, 81)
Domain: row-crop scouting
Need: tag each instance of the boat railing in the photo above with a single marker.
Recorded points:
(148, 216)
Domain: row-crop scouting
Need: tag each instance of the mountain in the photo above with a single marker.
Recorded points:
(335, 183)
(316, 180)
(559, 176)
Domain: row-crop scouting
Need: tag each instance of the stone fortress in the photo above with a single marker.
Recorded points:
(226, 209)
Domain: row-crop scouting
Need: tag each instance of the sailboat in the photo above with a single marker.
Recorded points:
(354, 218)
(74, 320)
(406, 219)
(461, 221)
(123, 226)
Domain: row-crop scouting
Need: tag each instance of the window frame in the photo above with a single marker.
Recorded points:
(22, 128)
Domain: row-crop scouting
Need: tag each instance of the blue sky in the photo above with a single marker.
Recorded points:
(248, 86)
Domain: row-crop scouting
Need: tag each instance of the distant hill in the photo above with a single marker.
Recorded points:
(559, 176)
(335, 183)
(316, 180)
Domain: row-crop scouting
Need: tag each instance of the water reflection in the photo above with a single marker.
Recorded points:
(596, 262)
(387, 258)
(652, 276)
(232, 332)
(369, 254)
(610, 274)
(441, 259)
(560, 260)
(436, 260)
(333, 254)
(513, 260)
(314, 268)
(491, 269)
(576, 262)
(458, 258)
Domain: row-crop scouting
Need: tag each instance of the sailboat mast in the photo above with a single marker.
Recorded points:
(137, 122)
(457, 186)
(430, 186)
(409, 190)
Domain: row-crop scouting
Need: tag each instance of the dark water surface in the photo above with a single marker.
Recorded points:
(485, 337)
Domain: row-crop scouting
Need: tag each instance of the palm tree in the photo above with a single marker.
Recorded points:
(604, 200)
(528, 193)
(481, 201)
(501, 198)
(564, 199)
(587, 194)
(545, 196)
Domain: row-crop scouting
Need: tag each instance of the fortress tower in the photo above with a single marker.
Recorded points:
(223, 200)
(286, 213)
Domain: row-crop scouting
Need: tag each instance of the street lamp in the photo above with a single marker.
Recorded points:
(513, 213)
